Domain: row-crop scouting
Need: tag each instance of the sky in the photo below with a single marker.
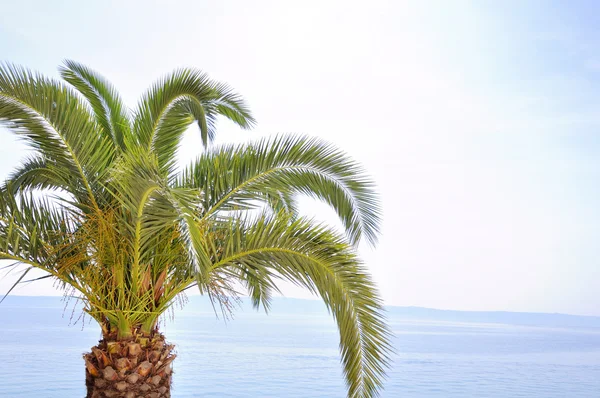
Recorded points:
(478, 120)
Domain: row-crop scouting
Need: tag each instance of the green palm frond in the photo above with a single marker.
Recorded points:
(311, 256)
(37, 173)
(176, 101)
(109, 110)
(32, 230)
(52, 120)
(234, 177)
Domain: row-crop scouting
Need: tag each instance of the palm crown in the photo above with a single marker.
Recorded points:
(121, 227)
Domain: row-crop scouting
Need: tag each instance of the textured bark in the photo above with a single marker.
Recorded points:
(132, 368)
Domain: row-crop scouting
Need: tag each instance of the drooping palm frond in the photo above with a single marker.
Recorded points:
(261, 250)
(38, 173)
(130, 235)
(52, 120)
(32, 231)
(233, 177)
(109, 110)
(176, 101)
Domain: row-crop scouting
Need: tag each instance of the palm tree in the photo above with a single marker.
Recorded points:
(102, 207)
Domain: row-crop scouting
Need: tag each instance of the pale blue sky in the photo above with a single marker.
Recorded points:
(479, 121)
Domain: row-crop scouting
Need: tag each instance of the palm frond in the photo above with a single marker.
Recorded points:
(109, 110)
(37, 173)
(32, 231)
(176, 101)
(52, 120)
(311, 256)
(234, 177)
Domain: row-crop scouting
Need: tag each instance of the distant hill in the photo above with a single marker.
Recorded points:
(287, 306)
(504, 317)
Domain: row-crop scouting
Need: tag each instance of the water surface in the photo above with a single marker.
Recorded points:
(293, 352)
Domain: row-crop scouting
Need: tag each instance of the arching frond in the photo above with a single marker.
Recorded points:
(176, 101)
(51, 120)
(109, 110)
(37, 173)
(311, 256)
(232, 177)
(32, 231)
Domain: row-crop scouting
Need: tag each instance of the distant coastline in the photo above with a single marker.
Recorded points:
(284, 305)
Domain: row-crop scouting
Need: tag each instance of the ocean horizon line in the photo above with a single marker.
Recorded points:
(282, 304)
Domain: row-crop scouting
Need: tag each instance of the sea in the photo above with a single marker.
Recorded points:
(293, 352)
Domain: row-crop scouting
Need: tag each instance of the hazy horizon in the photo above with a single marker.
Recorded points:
(308, 304)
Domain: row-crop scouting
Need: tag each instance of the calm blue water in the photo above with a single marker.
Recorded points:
(293, 353)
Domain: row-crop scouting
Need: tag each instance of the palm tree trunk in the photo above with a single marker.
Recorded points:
(129, 368)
